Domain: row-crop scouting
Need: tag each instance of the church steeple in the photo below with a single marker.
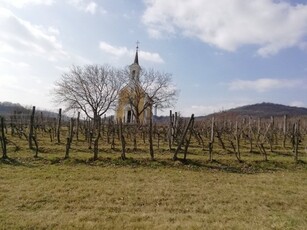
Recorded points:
(136, 59)
(135, 67)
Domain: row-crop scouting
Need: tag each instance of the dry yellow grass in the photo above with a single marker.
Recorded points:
(52, 193)
(153, 195)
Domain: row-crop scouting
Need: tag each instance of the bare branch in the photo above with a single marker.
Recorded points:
(93, 89)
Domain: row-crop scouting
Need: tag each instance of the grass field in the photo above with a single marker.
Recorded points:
(49, 192)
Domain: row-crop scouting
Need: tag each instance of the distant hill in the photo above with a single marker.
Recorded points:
(264, 110)
(9, 108)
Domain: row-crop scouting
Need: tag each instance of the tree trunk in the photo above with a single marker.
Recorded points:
(96, 128)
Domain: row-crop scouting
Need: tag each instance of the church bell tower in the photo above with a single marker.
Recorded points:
(135, 67)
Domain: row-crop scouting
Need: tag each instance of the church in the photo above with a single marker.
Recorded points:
(134, 104)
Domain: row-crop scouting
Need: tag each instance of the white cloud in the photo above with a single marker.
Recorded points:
(91, 8)
(5, 48)
(29, 86)
(63, 69)
(86, 6)
(21, 37)
(5, 63)
(121, 51)
(26, 51)
(53, 30)
(118, 51)
(263, 84)
(24, 3)
(8, 81)
(229, 24)
(148, 56)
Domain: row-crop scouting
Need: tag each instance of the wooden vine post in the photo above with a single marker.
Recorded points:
(122, 139)
(31, 137)
(78, 126)
(188, 140)
(237, 149)
(211, 139)
(261, 143)
(284, 132)
(151, 150)
(296, 137)
(31, 128)
(250, 134)
(3, 140)
(191, 121)
(170, 131)
(271, 133)
(69, 138)
(58, 129)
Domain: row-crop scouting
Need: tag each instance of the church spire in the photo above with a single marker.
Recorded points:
(136, 59)
(135, 68)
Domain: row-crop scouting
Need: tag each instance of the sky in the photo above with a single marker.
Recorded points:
(222, 54)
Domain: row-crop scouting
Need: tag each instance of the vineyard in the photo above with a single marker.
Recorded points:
(183, 173)
(254, 138)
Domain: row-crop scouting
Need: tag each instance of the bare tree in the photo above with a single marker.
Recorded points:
(92, 89)
(151, 89)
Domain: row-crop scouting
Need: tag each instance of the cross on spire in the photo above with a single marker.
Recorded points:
(137, 45)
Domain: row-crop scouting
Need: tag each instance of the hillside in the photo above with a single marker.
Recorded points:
(264, 109)
(9, 108)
